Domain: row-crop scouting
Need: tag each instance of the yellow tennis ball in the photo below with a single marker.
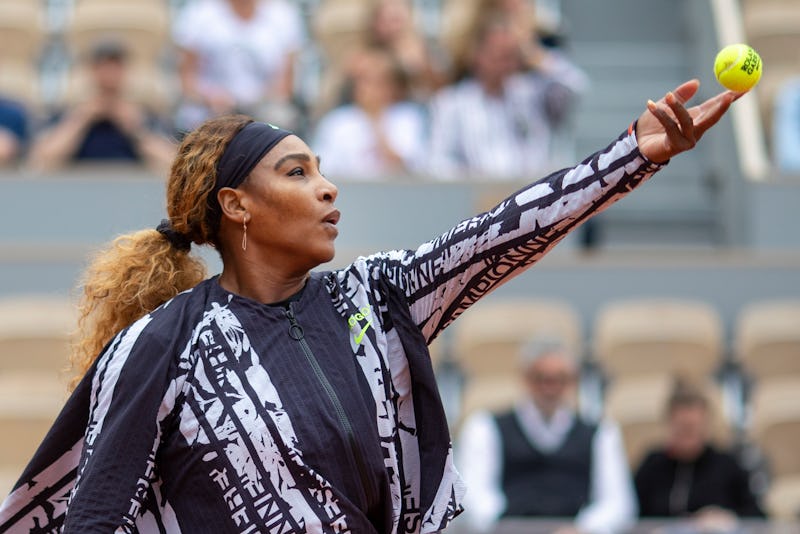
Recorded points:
(738, 67)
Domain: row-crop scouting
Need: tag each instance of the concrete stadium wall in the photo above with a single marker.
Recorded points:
(49, 226)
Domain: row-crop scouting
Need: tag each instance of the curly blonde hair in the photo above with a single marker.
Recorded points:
(140, 271)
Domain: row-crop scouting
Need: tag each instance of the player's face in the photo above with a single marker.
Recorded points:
(291, 207)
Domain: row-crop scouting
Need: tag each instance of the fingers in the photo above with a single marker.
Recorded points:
(668, 128)
(684, 119)
(687, 90)
(685, 127)
(712, 111)
(680, 135)
(664, 118)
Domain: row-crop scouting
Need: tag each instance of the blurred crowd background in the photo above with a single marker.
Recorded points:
(405, 87)
(379, 88)
(425, 111)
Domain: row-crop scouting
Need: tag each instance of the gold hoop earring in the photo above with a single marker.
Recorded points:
(244, 234)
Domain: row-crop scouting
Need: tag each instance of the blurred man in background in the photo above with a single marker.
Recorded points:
(540, 459)
(106, 124)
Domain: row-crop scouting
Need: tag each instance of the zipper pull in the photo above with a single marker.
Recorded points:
(295, 330)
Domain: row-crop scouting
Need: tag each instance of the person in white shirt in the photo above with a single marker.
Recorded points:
(541, 459)
(237, 56)
(505, 116)
(379, 133)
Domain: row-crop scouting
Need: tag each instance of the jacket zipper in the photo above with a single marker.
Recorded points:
(296, 333)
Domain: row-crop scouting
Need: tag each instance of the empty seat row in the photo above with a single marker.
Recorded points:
(634, 337)
(641, 345)
(143, 27)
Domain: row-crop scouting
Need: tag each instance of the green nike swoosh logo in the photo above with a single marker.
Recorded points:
(358, 337)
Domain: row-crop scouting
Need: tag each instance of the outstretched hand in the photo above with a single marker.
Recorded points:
(668, 128)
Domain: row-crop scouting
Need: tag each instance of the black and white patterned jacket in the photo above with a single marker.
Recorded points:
(215, 413)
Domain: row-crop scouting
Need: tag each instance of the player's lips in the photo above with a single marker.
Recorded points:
(332, 217)
(331, 220)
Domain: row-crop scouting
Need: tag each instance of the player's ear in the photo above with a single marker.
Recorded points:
(231, 203)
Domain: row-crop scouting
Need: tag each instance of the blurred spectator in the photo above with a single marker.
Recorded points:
(688, 476)
(107, 125)
(532, 22)
(391, 26)
(522, 17)
(549, 22)
(786, 127)
(13, 130)
(541, 459)
(500, 121)
(379, 132)
(238, 56)
(535, 20)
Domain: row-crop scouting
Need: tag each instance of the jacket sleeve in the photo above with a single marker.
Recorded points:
(131, 400)
(446, 275)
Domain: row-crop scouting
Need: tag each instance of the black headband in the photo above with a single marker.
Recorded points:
(241, 155)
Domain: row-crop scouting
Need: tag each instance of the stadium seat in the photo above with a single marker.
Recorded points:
(28, 428)
(22, 35)
(148, 84)
(144, 29)
(658, 336)
(776, 423)
(487, 338)
(339, 26)
(19, 80)
(767, 338)
(34, 348)
(783, 498)
(457, 16)
(34, 333)
(638, 405)
(21, 29)
(496, 393)
(142, 26)
(487, 344)
(773, 28)
(438, 350)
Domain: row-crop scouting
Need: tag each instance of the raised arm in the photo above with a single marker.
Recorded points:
(668, 128)
(445, 276)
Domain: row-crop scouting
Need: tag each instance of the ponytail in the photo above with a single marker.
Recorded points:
(137, 273)
(140, 271)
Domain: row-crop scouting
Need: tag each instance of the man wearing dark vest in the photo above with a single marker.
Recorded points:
(540, 459)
